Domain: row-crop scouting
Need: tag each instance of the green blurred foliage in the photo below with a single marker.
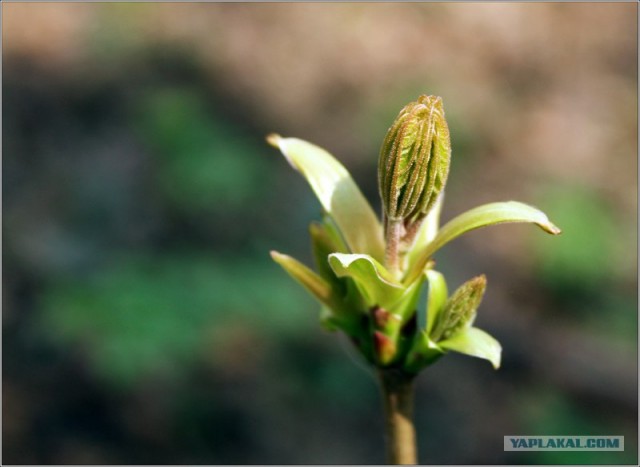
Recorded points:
(585, 270)
(586, 254)
(164, 313)
(159, 311)
(547, 412)
(204, 164)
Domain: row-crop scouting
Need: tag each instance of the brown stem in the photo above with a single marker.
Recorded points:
(393, 231)
(397, 392)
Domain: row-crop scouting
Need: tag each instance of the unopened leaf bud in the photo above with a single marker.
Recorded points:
(460, 309)
(385, 348)
(414, 160)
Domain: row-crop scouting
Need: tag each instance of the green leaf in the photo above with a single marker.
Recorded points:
(482, 216)
(322, 245)
(334, 234)
(428, 229)
(315, 284)
(328, 320)
(476, 343)
(423, 352)
(374, 282)
(408, 304)
(437, 298)
(338, 193)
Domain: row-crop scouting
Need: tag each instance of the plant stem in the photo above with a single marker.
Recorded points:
(393, 230)
(397, 393)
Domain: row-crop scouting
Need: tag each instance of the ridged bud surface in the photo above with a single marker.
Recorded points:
(414, 160)
(460, 309)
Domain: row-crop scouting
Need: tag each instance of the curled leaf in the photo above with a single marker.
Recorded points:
(476, 343)
(337, 192)
(315, 284)
(437, 298)
(375, 283)
(482, 216)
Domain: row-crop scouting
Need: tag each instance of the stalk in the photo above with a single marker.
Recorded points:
(398, 393)
(393, 231)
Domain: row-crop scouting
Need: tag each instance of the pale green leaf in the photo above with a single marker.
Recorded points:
(437, 298)
(315, 284)
(476, 343)
(482, 216)
(428, 230)
(328, 319)
(338, 193)
(423, 352)
(322, 245)
(332, 230)
(373, 280)
(408, 303)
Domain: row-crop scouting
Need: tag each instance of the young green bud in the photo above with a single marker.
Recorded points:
(385, 329)
(414, 160)
(385, 348)
(460, 309)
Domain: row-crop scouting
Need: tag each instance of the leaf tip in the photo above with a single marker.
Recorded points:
(496, 361)
(551, 228)
(274, 139)
(276, 256)
(479, 281)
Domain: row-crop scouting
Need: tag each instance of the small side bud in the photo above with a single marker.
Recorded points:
(414, 160)
(385, 329)
(381, 317)
(385, 348)
(460, 309)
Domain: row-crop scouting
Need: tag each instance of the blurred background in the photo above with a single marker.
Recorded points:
(143, 320)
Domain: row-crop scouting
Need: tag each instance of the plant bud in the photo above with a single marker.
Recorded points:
(460, 309)
(414, 160)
